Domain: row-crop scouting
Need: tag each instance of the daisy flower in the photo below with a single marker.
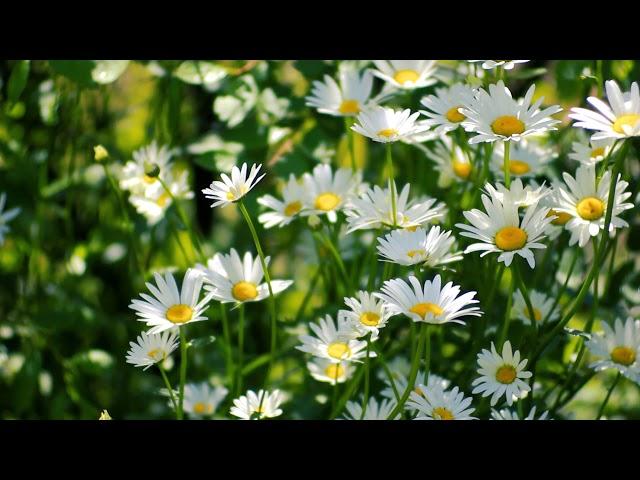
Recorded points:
(619, 119)
(375, 410)
(334, 343)
(155, 200)
(367, 314)
(233, 189)
(231, 279)
(373, 210)
(453, 163)
(402, 380)
(526, 159)
(591, 152)
(417, 247)
(328, 371)
(506, 414)
(201, 400)
(501, 230)
(432, 304)
(406, 74)
(587, 204)
(385, 125)
(620, 348)
(501, 374)
(497, 116)
(491, 64)
(435, 403)
(133, 176)
(519, 194)
(541, 307)
(151, 349)
(345, 100)
(258, 406)
(444, 107)
(282, 212)
(326, 192)
(5, 217)
(171, 307)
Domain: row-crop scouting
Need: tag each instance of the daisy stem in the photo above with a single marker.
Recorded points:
(227, 341)
(599, 77)
(183, 370)
(307, 296)
(525, 294)
(572, 265)
(372, 260)
(606, 399)
(183, 219)
(387, 372)
(427, 353)
(168, 385)
(240, 349)
(507, 314)
(392, 186)
(605, 162)
(365, 397)
(272, 300)
(352, 150)
(507, 172)
(415, 364)
(336, 256)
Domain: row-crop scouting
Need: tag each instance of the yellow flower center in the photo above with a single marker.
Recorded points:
(163, 199)
(230, 196)
(630, 120)
(148, 179)
(510, 238)
(441, 413)
(596, 152)
(537, 314)
(562, 217)
(422, 309)
(243, 291)
(506, 374)
(388, 132)
(507, 125)
(327, 201)
(339, 350)
(291, 209)
(412, 228)
(518, 167)
(413, 253)
(179, 313)
(156, 354)
(590, 208)
(454, 116)
(370, 319)
(461, 169)
(404, 76)
(349, 107)
(201, 408)
(334, 371)
(623, 355)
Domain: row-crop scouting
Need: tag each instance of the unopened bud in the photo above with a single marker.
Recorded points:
(100, 153)
(151, 169)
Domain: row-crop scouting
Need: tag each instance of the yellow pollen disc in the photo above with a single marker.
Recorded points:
(230, 196)
(243, 291)
(623, 355)
(349, 107)
(412, 229)
(179, 313)
(454, 116)
(334, 371)
(413, 253)
(404, 76)
(291, 209)
(155, 354)
(200, 408)
(461, 169)
(590, 208)
(388, 132)
(442, 413)
(148, 179)
(537, 314)
(506, 374)
(339, 350)
(327, 201)
(423, 308)
(630, 120)
(163, 199)
(507, 125)
(510, 238)
(370, 319)
(596, 152)
(518, 167)
(563, 217)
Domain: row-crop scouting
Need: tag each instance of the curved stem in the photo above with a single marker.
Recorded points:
(507, 314)
(606, 399)
(168, 385)
(352, 150)
(183, 370)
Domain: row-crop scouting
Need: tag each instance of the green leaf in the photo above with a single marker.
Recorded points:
(18, 80)
(79, 71)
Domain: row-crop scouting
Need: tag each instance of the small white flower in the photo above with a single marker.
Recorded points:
(151, 349)
(501, 374)
(233, 189)
(367, 314)
(506, 414)
(453, 163)
(201, 400)
(171, 306)
(506, 64)
(283, 211)
(327, 193)
(133, 176)
(406, 74)
(619, 119)
(328, 371)
(345, 100)
(518, 194)
(6, 217)
(401, 381)
(444, 107)
(591, 152)
(385, 125)
(258, 406)
(336, 344)
(231, 279)
(435, 403)
(155, 200)
(620, 348)
(374, 411)
(526, 159)
(417, 247)
(541, 307)
(432, 304)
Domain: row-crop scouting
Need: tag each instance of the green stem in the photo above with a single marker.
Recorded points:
(238, 388)
(367, 373)
(564, 285)
(507, 171)
(352, 149)
(183, 370)
(168, 385)
(606, 399)
(392, 186)
(227, 341)
(307, 296)
(507, 314)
